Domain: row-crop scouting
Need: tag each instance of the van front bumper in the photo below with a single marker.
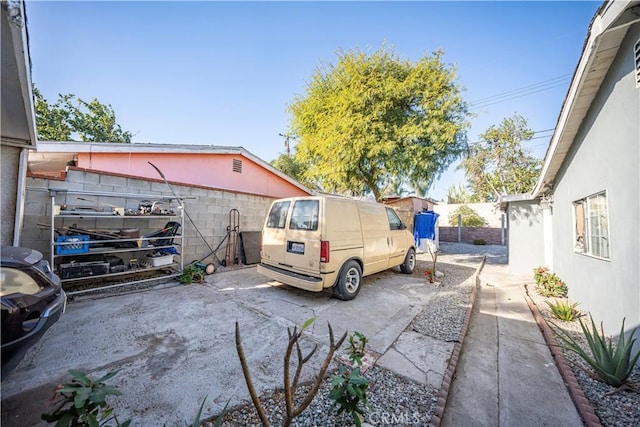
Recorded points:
(302, 281)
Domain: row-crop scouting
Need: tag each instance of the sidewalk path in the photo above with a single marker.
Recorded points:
(506, 375)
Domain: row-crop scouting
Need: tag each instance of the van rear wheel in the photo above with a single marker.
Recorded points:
(349, 281)
(409, 263)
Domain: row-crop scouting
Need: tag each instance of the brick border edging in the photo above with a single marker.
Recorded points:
(582, 404)
(443, 393)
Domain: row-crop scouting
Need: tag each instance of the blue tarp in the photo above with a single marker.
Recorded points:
(424, 226)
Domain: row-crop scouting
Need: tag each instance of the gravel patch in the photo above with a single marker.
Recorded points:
(393, 400)
(613, 407)
(443, 317)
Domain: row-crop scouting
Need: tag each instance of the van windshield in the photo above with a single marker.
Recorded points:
(278, 215)
(304, 215)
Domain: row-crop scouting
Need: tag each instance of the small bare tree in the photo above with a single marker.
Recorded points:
(290, 387)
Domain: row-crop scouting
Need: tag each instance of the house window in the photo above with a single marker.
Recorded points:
(636, 57)
(591, 218)
(237, 165)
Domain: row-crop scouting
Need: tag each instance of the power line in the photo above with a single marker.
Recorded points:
(471, 144)
(523, 88)
(497, 101)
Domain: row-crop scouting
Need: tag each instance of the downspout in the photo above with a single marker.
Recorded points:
(20, 196)
(547, 226)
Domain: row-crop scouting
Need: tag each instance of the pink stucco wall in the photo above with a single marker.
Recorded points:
(202, 169)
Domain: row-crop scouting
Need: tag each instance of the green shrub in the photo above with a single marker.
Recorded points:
(191, 274)
(349, 389)
(469, 217)
(480, 242)
(613, 365)
(563, 310)
(83, 402)
(549, 284)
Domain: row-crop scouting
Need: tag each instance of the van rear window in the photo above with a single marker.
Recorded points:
(278, 215)
(305, 215)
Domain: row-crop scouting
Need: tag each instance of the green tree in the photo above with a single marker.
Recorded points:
(370, 121)
(290, 165)
(52, 120)
(469, 217)
(459, 194)
(72, 117)
(499, 164)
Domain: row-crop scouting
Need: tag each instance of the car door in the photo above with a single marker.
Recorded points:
(375, 237)
(398, 236)
(302, 245)
(274, 233)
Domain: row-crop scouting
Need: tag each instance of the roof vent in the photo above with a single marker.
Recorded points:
(237, 165)
(636, 54)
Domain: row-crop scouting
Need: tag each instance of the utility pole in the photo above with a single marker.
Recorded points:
(287, 146)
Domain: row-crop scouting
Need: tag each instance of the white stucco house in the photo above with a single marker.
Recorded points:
(582, 219)
(17, 125)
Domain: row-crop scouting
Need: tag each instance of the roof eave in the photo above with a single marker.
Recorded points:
(110, 147)
(599, 51)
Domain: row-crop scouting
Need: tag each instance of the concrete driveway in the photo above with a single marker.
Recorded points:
(173, 346)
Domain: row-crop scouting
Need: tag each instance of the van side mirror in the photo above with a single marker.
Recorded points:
(402, 226)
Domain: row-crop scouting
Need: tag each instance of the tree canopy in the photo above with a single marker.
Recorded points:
(499, 164)
(373, 120)
(291, 166)
(70, 118)
(468, 217)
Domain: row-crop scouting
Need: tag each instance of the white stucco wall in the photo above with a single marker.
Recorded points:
(526, 241)
(9, 168)
(605, 157)
(489, 211)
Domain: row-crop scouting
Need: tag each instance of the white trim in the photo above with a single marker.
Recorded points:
(587, 234)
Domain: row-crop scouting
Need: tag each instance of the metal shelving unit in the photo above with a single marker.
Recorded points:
(139, 245)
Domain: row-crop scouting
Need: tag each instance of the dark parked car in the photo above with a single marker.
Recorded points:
(32, 301)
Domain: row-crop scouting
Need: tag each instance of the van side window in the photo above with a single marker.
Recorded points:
(278, 215)
(395, 223)
(304, 215)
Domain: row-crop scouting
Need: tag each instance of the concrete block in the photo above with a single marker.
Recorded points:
(31, 208)
(143, 186)
(36, 183)
(66, 185)
(198, 192)
(114, 181)
(91, 178)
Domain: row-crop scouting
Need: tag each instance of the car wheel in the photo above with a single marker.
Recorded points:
(349, 281)
(409, 263)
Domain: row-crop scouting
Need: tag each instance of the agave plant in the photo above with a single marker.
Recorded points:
(612, 364)
(564, 310)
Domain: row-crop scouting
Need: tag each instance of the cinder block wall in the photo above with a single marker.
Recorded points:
(208, 208)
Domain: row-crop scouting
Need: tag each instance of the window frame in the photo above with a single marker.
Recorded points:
(586, 204)
(393, 215)
(277, 209)
(298, 212)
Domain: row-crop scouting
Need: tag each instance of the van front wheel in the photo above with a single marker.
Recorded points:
(349, 281)
(409, 263)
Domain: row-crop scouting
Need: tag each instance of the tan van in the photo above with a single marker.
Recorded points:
(322, 242)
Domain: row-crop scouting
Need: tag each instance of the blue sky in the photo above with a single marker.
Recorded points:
(223, 73)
